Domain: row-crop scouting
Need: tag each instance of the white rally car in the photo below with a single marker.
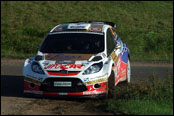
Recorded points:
(78, 58)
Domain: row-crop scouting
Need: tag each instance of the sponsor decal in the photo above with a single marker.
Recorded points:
(104, 55)
(124, 53)
(68, 57)
(78, 26)
(62, 57)
(33, 91)
(65, 62)
(96, 81)
(97, 77)
(62, 93)
(120, 71)
(96, 28)
(85, 63)
(58, 29)
(37, 78)
(114, 57)
(125, 49)
(45, 63)
(117, 68)
(64, 67)
(86, 79)
(123, 70)
(32, 80)
(92, 90)
(111, 30)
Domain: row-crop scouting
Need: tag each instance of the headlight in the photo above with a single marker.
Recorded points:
(94, 68)
(36, 68)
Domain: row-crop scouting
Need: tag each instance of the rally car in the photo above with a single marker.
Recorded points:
(78, 58)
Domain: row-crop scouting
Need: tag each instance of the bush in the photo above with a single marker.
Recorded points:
(151, 97)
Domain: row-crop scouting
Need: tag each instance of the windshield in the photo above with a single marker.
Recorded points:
(73, 43)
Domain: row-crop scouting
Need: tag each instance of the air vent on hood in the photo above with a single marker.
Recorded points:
(96, 58)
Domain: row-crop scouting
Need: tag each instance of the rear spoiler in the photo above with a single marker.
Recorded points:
(98, 22)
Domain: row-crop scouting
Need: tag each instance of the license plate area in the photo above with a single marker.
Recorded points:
(62, 84)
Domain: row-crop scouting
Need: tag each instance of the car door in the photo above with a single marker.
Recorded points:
(113, 50)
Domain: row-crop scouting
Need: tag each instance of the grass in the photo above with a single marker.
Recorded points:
(146, 26)
(153, 97)
(140, 107)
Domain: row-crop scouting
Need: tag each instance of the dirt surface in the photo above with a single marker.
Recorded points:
(14, 102)
(47, 106)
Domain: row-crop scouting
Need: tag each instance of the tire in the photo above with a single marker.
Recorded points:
(111, 84)
(128, 77)
(111, 81)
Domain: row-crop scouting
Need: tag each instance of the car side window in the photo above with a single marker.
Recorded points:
(110, 42)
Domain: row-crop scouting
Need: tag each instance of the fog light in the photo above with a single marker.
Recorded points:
(97, 85)
(32, 85)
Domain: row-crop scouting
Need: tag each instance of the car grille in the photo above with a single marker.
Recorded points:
(77, 85)
(59, 73)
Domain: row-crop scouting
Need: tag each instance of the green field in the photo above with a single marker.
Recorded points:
(146, 26)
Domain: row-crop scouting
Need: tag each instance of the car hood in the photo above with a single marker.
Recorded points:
(70, 57)
(70, 62)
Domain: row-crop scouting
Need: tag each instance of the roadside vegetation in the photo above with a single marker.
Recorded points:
(146, 26)
(153, 97)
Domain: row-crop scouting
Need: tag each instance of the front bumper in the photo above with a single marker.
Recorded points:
(47, 88)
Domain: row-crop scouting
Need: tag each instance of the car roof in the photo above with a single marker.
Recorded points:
(88, 26)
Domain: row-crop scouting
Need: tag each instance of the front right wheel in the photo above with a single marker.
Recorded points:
(128, 75)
